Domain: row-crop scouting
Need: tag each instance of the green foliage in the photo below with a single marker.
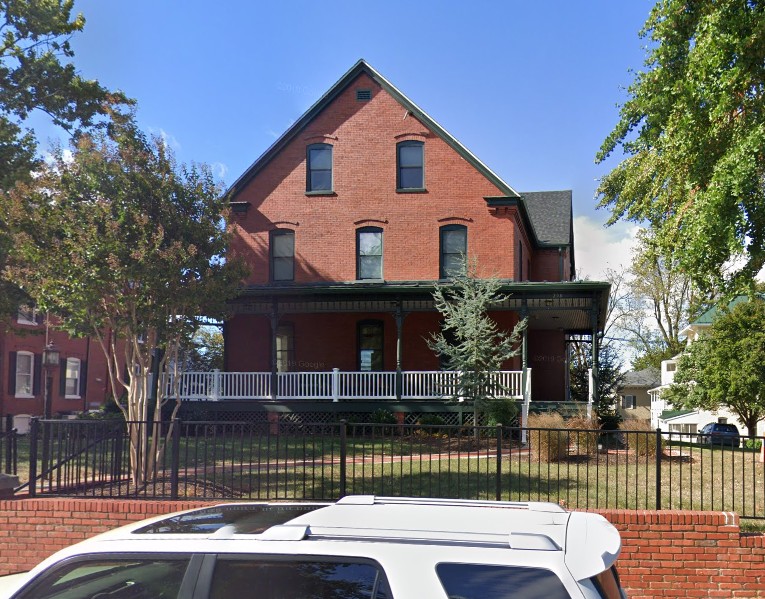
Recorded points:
(37, 75)
(206, 351)
(503, 411)
(470, 340)
(654, 357)
(120, 238)
(753, 444)
(430, 423)
(726, 367)
(693, 132)
(609, 380)
(382, 416)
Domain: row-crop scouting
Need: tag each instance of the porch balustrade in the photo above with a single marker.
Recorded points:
(334, 385)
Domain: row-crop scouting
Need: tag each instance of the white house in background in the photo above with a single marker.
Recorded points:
(665, 416)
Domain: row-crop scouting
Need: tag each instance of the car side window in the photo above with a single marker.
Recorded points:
(481, 581)
(134, 577)
(280, 578)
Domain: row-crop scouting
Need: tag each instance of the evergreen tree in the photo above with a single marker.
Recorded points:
(470, 341)
(610, 379)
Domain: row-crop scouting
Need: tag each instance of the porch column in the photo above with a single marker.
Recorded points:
(274, 317)
(399, 317)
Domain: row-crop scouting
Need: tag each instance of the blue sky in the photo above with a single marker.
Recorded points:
(531, 88)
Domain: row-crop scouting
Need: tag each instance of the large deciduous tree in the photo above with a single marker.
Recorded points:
(37, 75)
(124, 244)
(655, 305)
(470, 340)
(693, 132)
(726, 367)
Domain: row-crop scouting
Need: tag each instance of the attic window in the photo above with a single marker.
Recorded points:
(363, 95)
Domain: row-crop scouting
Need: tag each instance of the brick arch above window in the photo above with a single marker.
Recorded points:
(412, 136)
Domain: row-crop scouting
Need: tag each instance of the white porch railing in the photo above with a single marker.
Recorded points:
(335, 385)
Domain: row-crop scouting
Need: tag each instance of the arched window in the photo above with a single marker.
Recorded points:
(369, 253)
(282, 250)
(453, 249)
(319, 167)
(410, 162)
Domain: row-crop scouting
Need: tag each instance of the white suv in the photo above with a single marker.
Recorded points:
(360, 547)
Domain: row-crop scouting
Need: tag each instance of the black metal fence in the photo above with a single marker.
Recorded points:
(582, 469)
(9, 459)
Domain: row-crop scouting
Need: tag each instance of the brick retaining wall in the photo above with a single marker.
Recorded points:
(664, 554)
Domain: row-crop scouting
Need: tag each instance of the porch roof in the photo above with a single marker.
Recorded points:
(571, 306)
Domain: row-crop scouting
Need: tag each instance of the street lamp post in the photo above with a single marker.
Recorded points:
(50, 361)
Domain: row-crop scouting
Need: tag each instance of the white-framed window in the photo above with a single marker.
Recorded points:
(27, 315)
(629, 402)
(72, 378)
(25, 371)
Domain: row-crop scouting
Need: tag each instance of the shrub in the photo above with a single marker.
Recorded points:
(583, 438)
(637, 439)
(753, 444)
(502, 411)
(429, 423)
(548, 445)
(382, 416)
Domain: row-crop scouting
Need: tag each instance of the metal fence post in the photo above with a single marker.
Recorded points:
(658, 468)
(175, 456)
(34, 433)
(343, 455)
(499, 462)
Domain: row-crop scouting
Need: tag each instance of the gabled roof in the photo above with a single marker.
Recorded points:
(550, 215)
(710, 315)
(363, 67)
(648, 377)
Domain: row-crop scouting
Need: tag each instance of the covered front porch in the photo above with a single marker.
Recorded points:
(367, 341)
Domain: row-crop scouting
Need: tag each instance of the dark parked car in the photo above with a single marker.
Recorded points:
(717, 433)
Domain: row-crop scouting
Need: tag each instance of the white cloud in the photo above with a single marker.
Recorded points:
(168, 139)
(219, 169)
(599, 248)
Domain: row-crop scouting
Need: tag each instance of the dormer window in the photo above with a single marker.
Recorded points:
(410, 159)
(319, 168)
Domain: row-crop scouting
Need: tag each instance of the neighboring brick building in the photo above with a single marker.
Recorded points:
(77, 384)
(349, 219)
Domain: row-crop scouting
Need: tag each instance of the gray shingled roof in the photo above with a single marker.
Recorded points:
(550, 215)
(648, 377)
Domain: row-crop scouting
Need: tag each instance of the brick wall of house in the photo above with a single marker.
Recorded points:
(664, 554)
(31, 338)
(364, 137)
(326, 341)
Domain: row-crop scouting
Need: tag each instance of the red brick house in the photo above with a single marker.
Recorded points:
(348, 221)
(78, 382)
